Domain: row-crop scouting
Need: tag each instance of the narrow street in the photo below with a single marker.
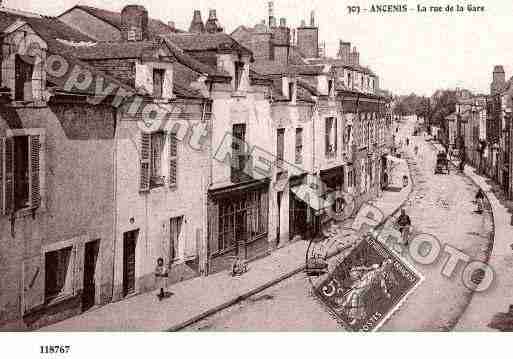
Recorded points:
(440, 205)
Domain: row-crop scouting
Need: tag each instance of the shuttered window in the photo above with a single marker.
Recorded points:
(20, 172)
(299, 146)
(173, 159)
(331, 136)
(145, 154)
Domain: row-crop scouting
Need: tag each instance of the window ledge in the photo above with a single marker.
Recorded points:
(59, 299)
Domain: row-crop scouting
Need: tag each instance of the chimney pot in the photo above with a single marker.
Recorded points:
(312, 18)
(171, 24)
(197, 25)
(283, 22)
(303, 23)
(212, 14)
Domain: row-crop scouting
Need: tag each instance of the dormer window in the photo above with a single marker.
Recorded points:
(239, 71)
(158, 82)
(131, 34)
(24, 69)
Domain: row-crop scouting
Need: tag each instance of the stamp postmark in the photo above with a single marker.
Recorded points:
(367, 286)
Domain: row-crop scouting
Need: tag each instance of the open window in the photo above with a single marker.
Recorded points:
(239, 72)
(331, 136)
(158, 82)
(24, 70)
(331, 88)
(58, 273)
(292, 91)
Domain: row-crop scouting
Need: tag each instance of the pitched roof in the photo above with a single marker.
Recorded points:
(114, 50)
(270, 67)
(207, 42)
(52, 29)
(155, 27)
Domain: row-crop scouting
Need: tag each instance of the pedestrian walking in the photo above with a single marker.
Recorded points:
(407, 141)
(160, 275)
(404, 224)
(480, 200)
(416, 150)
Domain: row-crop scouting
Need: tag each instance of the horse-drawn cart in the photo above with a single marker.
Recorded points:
(442, 163)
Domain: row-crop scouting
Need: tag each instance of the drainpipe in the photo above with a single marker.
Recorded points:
(115, 187)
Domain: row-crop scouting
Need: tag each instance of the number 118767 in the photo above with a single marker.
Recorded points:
(55, 349)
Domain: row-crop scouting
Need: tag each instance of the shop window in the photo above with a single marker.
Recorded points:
(241, 219)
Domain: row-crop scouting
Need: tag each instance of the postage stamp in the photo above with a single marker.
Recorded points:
(367, 286)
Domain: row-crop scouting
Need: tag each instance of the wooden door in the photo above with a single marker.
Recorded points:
(90, 260)
(129, 245)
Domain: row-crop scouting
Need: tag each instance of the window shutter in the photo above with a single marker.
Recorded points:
(173, 159)
(144, 184)
(213, 228)
(327, 136)
(35, 195)
(9, 175)
(2, 176)
(33, 283)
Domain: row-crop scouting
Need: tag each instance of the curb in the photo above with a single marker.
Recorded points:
(281, 278)
(231, 302)
(491, 241)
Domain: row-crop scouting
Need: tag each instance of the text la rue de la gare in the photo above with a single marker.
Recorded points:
(424, 8)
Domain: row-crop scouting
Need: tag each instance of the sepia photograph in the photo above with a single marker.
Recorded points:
(254, 166)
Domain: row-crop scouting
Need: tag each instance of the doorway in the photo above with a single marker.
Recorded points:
(129, 245)
(90, 259)
(175, 228)
(278, 224)
(240, 232)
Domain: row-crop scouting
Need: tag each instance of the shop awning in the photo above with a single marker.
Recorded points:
(312, 198)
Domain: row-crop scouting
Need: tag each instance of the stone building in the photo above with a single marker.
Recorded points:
(96, 181)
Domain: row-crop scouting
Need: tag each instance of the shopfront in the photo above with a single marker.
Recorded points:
(238, 224)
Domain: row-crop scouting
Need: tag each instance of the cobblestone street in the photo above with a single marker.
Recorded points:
(440, 205)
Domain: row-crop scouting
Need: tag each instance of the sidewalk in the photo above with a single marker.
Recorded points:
(197, 298)
(484, 306)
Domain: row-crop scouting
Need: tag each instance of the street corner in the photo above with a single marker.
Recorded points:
(367, 286)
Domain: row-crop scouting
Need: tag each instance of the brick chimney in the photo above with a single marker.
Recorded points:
(197, 26)
(281, 42)
(343, 51)
(498, 80)
(213, 25)
(308, 38)
(134, 23)
(272, 19)
(354, 57)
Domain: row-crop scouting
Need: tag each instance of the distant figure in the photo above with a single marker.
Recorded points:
(404, 223)
(161, 275)
(416, 150)
(407, 141)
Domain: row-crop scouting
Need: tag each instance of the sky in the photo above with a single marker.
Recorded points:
(410, 51)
